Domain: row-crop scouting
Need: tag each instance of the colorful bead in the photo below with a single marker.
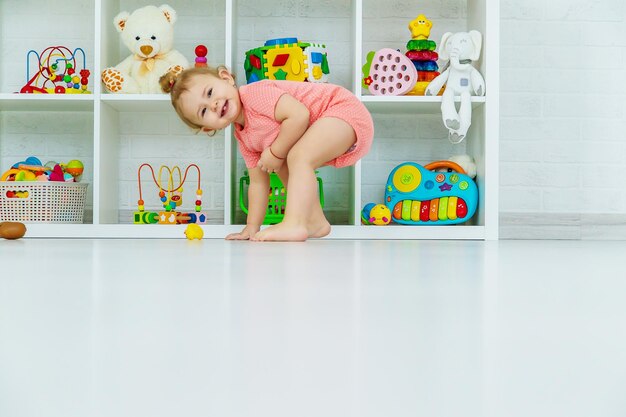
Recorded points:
(141, 207)
(164, 199)
(198, 208)
(198, 202)
(201, 50)
(161, 193)
(140, 202)
(199, 192)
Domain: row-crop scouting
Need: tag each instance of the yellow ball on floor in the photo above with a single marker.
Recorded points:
(193, 231)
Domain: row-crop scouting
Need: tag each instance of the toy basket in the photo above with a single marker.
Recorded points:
(49, 202)
(277, 198)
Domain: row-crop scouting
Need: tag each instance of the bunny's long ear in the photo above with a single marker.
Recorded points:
(477, 40)
(443, 50)
(119, 21)
(169, 13)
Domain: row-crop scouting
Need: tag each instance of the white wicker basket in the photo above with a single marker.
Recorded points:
(47, 202)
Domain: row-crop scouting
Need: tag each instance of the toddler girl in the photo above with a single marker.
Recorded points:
(291, 128)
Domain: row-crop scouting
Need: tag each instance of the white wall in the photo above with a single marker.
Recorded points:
(563, 93)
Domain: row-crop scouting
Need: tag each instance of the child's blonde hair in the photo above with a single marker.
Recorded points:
(177, 83)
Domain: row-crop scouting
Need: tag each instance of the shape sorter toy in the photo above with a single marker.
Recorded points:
(287, 59)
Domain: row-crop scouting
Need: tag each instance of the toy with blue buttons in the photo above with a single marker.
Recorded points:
(438, 193)
(287, 59)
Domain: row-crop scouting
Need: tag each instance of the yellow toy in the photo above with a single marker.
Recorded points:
(193, 231)
(376, 214)
(420, 27)
(287, 59)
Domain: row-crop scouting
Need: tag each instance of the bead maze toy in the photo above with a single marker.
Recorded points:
(171, 197)
(277, 197)
(418, 196)
(58, 72)
(287, 59)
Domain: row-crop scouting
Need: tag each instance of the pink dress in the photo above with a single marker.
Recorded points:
(323, 100)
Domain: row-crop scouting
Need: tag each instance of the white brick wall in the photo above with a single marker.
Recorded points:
(563, 125)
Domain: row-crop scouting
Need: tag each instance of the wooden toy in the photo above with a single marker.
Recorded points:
(57, 73)
(171, 196)
(12, 230)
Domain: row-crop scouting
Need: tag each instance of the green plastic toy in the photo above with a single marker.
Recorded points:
(277, 198)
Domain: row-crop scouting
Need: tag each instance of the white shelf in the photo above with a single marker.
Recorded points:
(233, 41)
(46, 102)
(411, 104)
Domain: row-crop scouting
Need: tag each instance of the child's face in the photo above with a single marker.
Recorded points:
(212, 102)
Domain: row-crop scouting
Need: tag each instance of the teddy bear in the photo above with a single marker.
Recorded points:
(464, 161)
(148, 32)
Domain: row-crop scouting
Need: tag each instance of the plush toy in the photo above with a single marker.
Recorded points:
(464, 161)
(149, 34)
(460, 78)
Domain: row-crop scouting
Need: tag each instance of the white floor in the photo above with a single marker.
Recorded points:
(116, 328)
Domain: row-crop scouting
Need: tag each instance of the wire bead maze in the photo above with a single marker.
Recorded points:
(171, 196)
(57, 72)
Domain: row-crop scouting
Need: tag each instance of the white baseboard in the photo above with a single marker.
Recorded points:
(569, 226)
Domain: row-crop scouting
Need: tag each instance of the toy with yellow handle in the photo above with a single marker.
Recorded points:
(418, 196)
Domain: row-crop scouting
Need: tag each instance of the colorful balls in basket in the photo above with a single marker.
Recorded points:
(31, 169)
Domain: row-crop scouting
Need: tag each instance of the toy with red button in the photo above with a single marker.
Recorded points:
(418, 196)
(171, 196)
(287, 59)
(57, 72)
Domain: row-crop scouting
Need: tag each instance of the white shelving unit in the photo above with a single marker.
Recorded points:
(108, 109)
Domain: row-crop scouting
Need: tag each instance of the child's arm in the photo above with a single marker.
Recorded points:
(294, 121)
(257, 204)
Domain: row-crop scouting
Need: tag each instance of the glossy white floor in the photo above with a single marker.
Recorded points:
(323, 328)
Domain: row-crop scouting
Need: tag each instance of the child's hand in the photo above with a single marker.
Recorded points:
(270, 162)
(247, 233)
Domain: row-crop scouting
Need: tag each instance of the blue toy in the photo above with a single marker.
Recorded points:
(418, 196)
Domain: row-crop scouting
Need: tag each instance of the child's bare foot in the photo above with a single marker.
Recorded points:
(318, 227)
(286, 232)
(282, 232)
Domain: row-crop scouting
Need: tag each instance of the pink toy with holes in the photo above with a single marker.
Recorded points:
(392, 73)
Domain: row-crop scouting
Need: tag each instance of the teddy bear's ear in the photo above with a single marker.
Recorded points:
(169, 13)
(119, 21)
